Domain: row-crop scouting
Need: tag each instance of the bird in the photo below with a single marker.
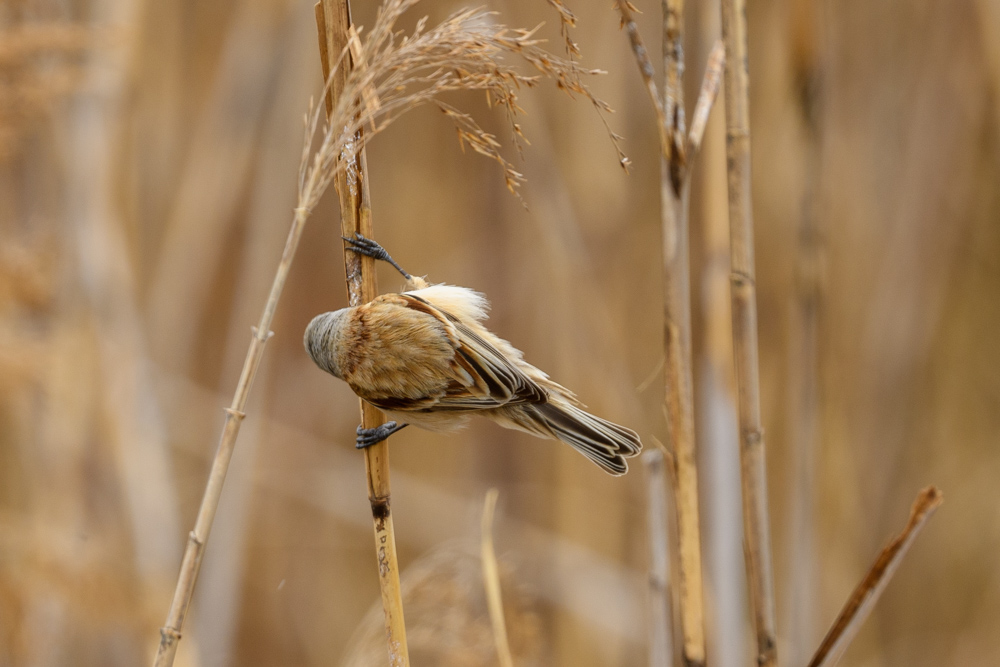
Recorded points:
(424, 357)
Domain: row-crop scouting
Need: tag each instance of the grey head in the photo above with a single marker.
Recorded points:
(322, 339)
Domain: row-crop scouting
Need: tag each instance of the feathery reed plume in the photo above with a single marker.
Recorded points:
(467, 51)
(394, 73)
(679, 148)
(756, 529)
(862, 600)
(567, 21)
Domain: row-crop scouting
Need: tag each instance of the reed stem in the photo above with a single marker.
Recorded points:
(756, 529)
(660, 644)
(679, 149)
(862, 600)
(333, 19)
(170, 633)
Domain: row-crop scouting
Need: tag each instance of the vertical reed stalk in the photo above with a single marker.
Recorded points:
(715, 382)
(660, 644)
(679, 149)
(333, 18)
(679, 387)
(802, 399)
(756, 530)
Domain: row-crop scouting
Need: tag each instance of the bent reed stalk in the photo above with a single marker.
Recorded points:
(864, 596)
(467, 51)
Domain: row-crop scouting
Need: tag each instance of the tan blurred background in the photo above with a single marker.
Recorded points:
(148, 154)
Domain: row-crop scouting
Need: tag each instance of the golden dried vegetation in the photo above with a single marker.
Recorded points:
(148, 154)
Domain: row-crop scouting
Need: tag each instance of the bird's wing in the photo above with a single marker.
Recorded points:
(474, 376)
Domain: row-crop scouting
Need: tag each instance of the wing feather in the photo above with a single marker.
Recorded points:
(505, 383)
(477, 376)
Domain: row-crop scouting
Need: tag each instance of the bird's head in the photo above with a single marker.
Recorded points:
(322, 339)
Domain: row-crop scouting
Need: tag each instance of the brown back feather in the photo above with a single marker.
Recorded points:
(411, 356)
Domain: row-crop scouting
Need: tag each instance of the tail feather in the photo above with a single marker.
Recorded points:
(603, 442)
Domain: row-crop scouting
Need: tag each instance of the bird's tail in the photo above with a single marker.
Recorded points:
(604, 443)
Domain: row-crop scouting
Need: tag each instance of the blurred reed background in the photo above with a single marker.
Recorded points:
(148, 154)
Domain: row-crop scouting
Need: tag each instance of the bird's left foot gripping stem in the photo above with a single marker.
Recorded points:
(371, 436)
(369, 248)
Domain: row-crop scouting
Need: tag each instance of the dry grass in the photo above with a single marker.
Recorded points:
(203, 136)
(468, 51)
(448, 617)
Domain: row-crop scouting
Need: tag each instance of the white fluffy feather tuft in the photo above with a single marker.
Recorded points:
(461, 302)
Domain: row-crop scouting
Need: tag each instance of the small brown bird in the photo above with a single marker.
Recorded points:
(424, 357)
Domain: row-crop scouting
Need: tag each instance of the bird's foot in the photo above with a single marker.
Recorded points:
(369, 248)
(372, 436)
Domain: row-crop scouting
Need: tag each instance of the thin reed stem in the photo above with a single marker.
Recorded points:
(862, 600)
(678, 152)
(802, 398)
(491, 581)
(170, 633)
(336, 32)
(660, 644)
(756, 530)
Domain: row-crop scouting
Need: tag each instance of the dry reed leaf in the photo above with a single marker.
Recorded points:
(862, 600)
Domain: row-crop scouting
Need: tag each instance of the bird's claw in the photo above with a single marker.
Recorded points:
(372, 436)
(366, 246)
(369, 248)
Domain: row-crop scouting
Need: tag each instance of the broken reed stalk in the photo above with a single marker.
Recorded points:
(862, 600)
(491, 581)
(336, 33)
(756, 530)
(679, 149)
(660, 644)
